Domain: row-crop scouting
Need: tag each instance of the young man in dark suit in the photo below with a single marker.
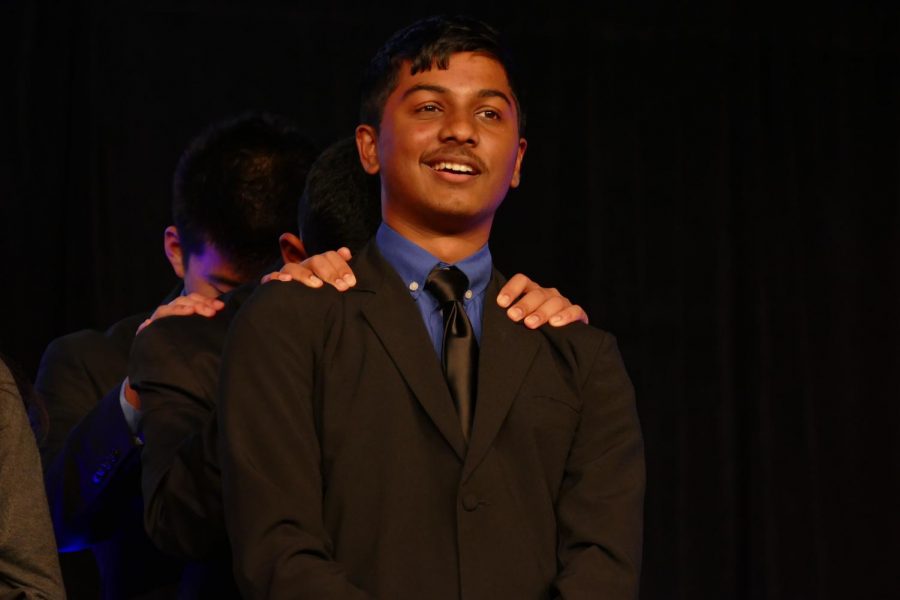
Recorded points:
(234, 192)
(175, 361)
(405, 439)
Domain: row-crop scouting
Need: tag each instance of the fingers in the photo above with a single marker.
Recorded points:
(190, 304)
(331, 267)
(538, 305)
(278, 276)
(144, 324)
(295, 272)
(569, 315)
(514, 288)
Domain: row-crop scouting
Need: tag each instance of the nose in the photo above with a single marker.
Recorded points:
(459, 126)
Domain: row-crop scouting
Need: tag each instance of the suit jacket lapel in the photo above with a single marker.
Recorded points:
(506, 353)
(397, 322)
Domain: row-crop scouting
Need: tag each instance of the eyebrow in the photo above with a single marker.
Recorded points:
(438, 89)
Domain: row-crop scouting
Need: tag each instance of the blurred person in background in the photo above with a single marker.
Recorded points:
(29, 567)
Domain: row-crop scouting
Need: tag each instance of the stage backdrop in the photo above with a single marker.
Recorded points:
(717, 185)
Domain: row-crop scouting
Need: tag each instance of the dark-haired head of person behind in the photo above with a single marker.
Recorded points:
(234, 192)
(340, 206)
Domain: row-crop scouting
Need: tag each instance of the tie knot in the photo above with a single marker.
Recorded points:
(447, 284)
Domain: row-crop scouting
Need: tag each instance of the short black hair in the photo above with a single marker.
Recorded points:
(236, 188)
(426, 43)
(341, 205)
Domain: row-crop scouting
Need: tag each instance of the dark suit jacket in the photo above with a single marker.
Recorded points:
(92, 464)
(174, 367)
(345, 473)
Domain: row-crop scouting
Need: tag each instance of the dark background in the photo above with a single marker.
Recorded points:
(716, 183)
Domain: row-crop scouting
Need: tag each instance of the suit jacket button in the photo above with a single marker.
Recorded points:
(470, 502)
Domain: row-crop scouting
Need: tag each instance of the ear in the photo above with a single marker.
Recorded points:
(292, 249)
(520, 154)
(367, 145)
(173, 250)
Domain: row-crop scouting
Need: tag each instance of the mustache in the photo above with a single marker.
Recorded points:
(460, 153)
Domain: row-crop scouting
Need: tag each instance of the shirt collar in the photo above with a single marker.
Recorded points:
(413, 263)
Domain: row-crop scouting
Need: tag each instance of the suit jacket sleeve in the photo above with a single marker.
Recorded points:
(271, 463)
(76, 371)
(93, 477)
(90, 456)
(600, 505)
(176, 382)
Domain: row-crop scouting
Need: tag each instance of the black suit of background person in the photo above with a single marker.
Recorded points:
(175, 361)
(234, 192)
(345, 469)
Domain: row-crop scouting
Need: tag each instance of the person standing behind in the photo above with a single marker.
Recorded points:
(28, 562)
(234, 191)
(404, 439)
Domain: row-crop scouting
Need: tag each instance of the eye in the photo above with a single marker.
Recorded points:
(490, 113)
(428, 108)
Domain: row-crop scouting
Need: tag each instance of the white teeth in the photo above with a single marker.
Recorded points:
(455, 167)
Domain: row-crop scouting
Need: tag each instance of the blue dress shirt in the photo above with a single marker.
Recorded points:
(413, 263)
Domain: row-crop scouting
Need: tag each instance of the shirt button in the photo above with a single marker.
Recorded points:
(413, 286)
(469, 294)
(470, 502)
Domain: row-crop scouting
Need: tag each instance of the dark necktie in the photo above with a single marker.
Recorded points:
(460, 349)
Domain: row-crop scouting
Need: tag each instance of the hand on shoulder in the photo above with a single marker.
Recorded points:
(535, 305)
(190, 304)
(329, 267)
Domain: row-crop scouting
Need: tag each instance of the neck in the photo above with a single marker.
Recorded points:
(448, 247)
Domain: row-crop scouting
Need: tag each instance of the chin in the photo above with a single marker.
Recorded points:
(459, 219)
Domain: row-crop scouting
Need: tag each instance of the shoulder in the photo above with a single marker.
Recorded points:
(578, 337)
(287, 318)
(179, 344)
(117, 338)
(290, 309)
(289, 300)
(75, 344)
(183, 331)
(124, 330)
(584, 351)
(86, 354)
(87, 359)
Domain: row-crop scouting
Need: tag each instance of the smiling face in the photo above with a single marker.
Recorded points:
(448, 148)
